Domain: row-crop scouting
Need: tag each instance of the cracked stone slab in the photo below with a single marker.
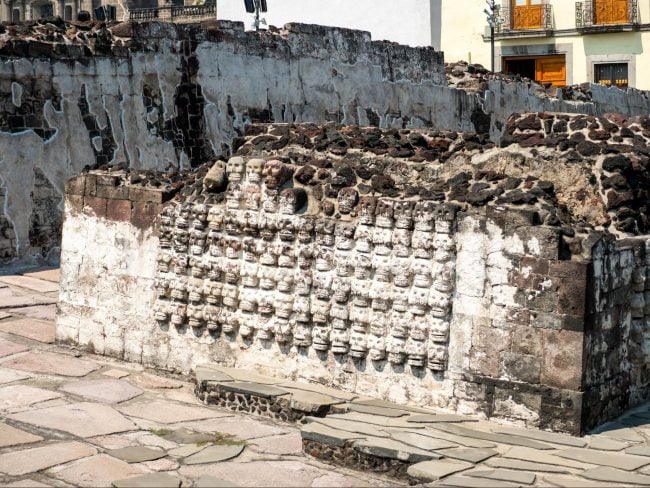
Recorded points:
(604, 458)
(618, 431)
(104, 391)
(136, 454)
(80, 419)
(490, 436)
(27, 483)
(7, 348)
(421, 441)
(17, 463)
(315, 431)
(349, 426)
(309, 401)
(470, 455)
(166, 412)
(377, 411)
(238, 374)
(215, 454)
(317, 388)
(391, 449)
(152, 381)
(457, 439)
(186, 436)
(441, 417)
(525, 465)
(184, 451)
(149, 480)
(533, 455)
(14, 396)
(376, 402)
(249, 388)
(9, 376)
(207, 481)
(51, 363)
(572, 482)
(205, 373)
(377, 420)
(435, 470)
(16, 299)
(607, 444)
(100, 470)
(540, 435)
(504, 475)
(46, 274)
(10, 436)
(467, 482)
(237, 427)
(605, 473)
(115, 373)
(30, 283)
(41, 312)
(38, 330)
(280, 445)
(643, 450)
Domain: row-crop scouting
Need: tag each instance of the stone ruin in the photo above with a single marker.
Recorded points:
(424, 267)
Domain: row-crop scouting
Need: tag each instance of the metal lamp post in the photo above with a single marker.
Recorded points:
(492, 13)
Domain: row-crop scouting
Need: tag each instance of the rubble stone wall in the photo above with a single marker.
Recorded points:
(165, 96)
(424, 267)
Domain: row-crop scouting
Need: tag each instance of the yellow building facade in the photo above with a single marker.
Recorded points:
(561, 42)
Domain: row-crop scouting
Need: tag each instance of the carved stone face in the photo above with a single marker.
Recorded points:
(423, 215)
(229, 321)
(302, 335)
(358, 345)
(347, 200)
(246, 322)
(418, 299)
(195, 317)
(382, 239)
(284, 305)
(252, 197)
(270, 200)
(292, 200)
(440, 303)
(305, 231)
(340, 341)
(303, 282)
(325, 232)
(344, 236)
(230, 295)
(362, 267)
(376, 347)
(161, 310)
(216, 179)
(178, 314)
(235, 169)
(403, 213)
(215, 218)
(164, 260)
(283, 331)
(396, 347)
(211, 314)
(324, 260)
(341, 290)
(417, 353)
(276, 173)
(363, 238)
(366, 210)
(254, 168)
(212, 291)
(384, 213)
(437, 355)
(321, 337)
(438, 330)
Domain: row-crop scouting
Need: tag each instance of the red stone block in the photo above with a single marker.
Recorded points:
(95, 205)
(118, 210)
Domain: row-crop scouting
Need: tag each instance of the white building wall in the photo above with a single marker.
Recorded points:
(405, 21)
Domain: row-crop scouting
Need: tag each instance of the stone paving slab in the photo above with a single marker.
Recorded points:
(468, 482)
(104, 391)
(372, 410)
(238, 427)
(543, 436)
(15, 299)
(321, 389)
(607, 444)
(612, 475)
(207, 481)
(41, 312)
(435, 470)
(147, 381)
(239, 374)
(46, 274)
(166, 412)
(38, 330)
(604, 458)
(421, 441)
(27, 483)
(51, 363)
(489, 436)
(136, 454)
(504, 475)
(249, 388)
(457, 439)
(26, 461)
(9, 376)
(31, 283)
(215, 454)
(8, 348)
(572, 482)
(435, 418)
(150, 480)
(10, 436)
(13, 396)
(392, 449)
(280, 445)
(507, 463)
(80, 419)
(115, 373)
(350, 426)
(469, 455)
(533, 455)
(642, 450)
(96, 471)
(327, 435)
(364, 418)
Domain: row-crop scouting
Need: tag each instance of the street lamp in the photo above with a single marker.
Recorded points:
(492, 13)
(255, 7)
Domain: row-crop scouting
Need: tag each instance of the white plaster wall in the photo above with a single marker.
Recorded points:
(408, 22)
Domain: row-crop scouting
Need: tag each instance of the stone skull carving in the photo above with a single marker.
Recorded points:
(384, 214)
(283, 331)
(340, 339)
(216, 179)
(376, 347)
(424, 215)
(403, 214)
(276, 173)
(230, 321)
(440, 303)
(347, 199)
(292, 200)
(302, 335)
(358, 345)
(366, 210)
(321, 337)
(235, 169)
(344, 236)
(437, 357)
(254, 169)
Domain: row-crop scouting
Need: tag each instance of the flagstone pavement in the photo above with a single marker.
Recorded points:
(75, 419)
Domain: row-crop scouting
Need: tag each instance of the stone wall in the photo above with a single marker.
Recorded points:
(168, 96)
(423, 267)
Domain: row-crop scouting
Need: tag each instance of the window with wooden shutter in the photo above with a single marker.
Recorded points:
(527, 14)
(610, 12)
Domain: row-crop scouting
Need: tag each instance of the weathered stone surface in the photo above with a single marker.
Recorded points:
(310, 402)
(379, 411)
(470, 455)
(136, 454)
(388, 448)
(10, 436)
(215, 454)
(320, 389)
(280, 445)
(543, 436)
(258, 389)
(104, 391)
(17, 463)
(571, 482)
(236, 426)
(115, 373)
(13, 396)
(327, 435)
(504, 475)
(40, 312)
(420, 441)
(53, 275)
(457, 439)
(186, 436)
(186, 450)
(442, 417)
(350, 426)
(239, 374)
(435, 470)
(26, 483)
(643, 450)
(489, 436)
(80, 419)
(31, 283)
(533, 455)
(146, 380)
(149, 480)
(603, 458)
(467, 482)
(50, 363)
(100, 470)
(207, 481)
(205, 373)
(9, 376)
(8, 348)
(525, 465)
(167, 412)
(17, 299)
(607, 444)
(616, 476)
(37, 330)
(392, 422)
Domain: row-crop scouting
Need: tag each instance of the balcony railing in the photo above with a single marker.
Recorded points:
(600, 13)
(182, 13)
(524, 18)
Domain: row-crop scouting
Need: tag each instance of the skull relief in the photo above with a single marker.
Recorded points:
(235, 169)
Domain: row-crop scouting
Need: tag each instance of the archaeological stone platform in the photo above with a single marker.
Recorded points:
(428, 268)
